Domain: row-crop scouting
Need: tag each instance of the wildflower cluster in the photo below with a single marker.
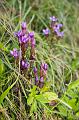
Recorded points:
(27, 39)
(55, 27)
(43, 72)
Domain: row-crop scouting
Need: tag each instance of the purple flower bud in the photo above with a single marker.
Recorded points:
(36, 78)
(14, 53)
(53, 19)
(35, 70)
(23, 25)
(41, 79)
(23, 63)
(33, 42)
(46, 31)
(45, 67)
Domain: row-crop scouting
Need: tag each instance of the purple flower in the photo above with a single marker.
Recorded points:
(23, 25)
(60, 34)
(31, 34)
(24, 39)
(53, 19)
(25, 64)
(21, 34)
(44, 66)
(32, 42)
(57, 30)
(57, 27)
(35, 70)
(46, 31)
(43, 70)
(36, 78)
(14, 53)
(41, 79)
(18, 34)
(36, 75)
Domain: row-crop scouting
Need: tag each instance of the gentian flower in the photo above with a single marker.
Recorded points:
(35, 70)
(25, 65)
(57, 27)
(57, 30)
(43, 70)
(36, 76)
(18, 34)
(14, 53)
(31, 34)
(46, 31)
(32, 39)
(45, 66)
(53, 19)
(24, 39)
(23, 25)
(36, 79)
(21, 34)
(32, 42)
(60, 34)
(41, 79)
(41, 82)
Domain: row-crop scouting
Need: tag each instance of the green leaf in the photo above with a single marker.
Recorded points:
(33, 107)
(41, 98)
(77, 114)
(1, 67)
(3, 48)
(73, 85)
(50, 96)
(75, 64)
(63, 110)
(30, 100)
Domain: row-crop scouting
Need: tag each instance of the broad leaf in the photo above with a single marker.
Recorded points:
(50, 96)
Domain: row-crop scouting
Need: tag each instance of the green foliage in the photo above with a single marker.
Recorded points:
(1, 67)
(62, 56)
(4, 94)
(71, 97)
(41, 98)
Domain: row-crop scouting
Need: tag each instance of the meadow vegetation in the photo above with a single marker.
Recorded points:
(20, 97)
